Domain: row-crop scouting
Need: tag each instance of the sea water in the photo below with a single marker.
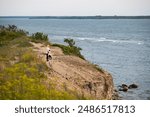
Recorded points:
(120, 46)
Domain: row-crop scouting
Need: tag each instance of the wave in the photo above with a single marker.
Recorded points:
(102, 39)
(96, 40)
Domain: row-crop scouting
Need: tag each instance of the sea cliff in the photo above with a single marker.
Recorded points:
(25, 73)
(77, 74)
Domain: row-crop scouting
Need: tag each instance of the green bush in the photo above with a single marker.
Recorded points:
(70, 42)
(71, 49)
(10, 33)
(39, 36)
(13, 28)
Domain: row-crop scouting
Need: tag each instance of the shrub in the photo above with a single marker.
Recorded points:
(39, 36)
(70, 42)
(10, 33)
(12, 28)
(71, 49)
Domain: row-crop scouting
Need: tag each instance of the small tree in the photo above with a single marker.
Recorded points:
(70, 42)
(71, 48)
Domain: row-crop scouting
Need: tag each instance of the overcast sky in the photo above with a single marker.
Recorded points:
(73, 7)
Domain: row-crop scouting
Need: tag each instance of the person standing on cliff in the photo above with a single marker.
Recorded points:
(48, 55)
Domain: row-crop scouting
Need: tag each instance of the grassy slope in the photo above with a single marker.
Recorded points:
(22, 73)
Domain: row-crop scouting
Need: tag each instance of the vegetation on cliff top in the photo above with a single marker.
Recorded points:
(71, 49)
(22, 73)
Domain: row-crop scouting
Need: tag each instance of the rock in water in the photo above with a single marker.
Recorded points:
(124, 88)
(124, 85)
(133, 86)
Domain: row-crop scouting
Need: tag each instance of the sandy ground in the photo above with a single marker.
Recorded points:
(76, 74)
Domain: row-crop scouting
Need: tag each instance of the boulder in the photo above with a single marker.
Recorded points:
(133, 86)
(123, 87)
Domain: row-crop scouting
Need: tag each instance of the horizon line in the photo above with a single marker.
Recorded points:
(80, 17)
(69, 15)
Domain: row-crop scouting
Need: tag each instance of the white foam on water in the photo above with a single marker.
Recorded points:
(102, 39)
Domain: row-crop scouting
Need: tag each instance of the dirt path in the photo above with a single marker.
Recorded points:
(76, 74)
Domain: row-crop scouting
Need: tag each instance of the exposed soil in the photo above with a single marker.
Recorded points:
(76, 74)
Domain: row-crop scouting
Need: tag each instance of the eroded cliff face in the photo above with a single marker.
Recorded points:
(75, 74)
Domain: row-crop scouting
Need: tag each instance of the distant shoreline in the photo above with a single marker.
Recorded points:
(79, 17)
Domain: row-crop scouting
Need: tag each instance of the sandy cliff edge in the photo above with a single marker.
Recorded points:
(76, 74)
